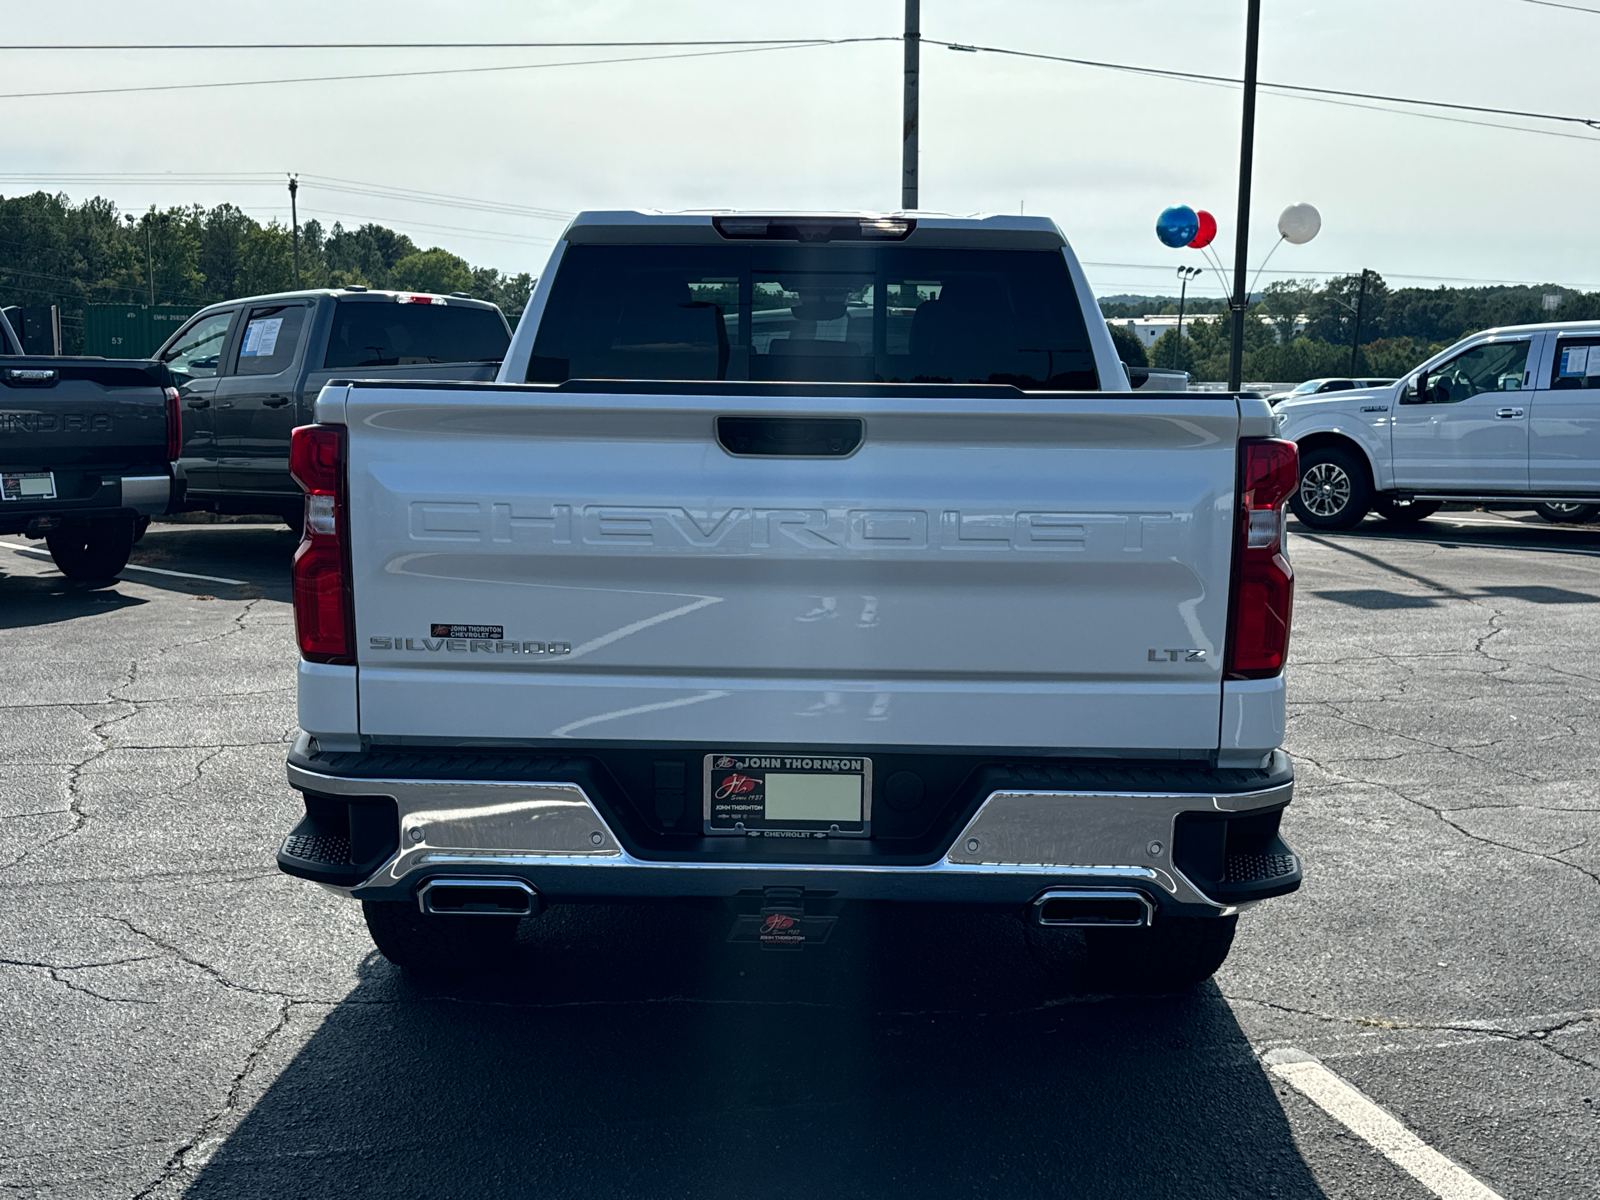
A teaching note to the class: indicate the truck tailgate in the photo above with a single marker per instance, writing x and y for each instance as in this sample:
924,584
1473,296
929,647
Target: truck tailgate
1030,572
82,413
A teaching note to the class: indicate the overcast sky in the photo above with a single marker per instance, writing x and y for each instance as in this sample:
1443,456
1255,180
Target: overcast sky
1100,151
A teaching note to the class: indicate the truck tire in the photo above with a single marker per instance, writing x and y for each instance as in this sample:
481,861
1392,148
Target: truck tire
1405,514
1334,491
430,944
1568,514
94,549
1172,955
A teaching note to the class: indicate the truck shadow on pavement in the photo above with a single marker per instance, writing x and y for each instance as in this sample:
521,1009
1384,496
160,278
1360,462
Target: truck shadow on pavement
27,600
630,1051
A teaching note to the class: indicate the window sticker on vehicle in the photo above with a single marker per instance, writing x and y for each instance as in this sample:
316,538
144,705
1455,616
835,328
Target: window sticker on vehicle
261,338
37,485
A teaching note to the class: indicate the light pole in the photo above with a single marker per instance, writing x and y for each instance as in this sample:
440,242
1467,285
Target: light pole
1185,274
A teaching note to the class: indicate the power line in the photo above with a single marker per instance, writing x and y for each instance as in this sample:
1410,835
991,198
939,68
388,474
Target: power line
274,179
429,45
590,62
1198,77
385,191
1386,274
402,225
1572,7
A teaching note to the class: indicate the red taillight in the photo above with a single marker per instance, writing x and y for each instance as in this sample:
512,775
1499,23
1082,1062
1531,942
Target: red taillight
174,426
324,614
1263,581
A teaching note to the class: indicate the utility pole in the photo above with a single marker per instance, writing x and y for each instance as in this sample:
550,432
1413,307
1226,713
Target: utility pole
294,221
908,145
1355,342
149,255
1247,138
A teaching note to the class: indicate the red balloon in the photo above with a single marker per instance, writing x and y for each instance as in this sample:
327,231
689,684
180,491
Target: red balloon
1208,230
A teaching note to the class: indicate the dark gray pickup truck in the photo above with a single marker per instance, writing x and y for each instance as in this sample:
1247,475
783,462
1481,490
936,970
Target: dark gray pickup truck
87,450
248,371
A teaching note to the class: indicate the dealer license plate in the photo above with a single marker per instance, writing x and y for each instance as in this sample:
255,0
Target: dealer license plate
37,485
788,795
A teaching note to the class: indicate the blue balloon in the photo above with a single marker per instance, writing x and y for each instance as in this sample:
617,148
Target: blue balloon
1177,226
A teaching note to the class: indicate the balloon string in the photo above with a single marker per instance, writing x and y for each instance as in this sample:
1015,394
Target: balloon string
1216,265
1261,268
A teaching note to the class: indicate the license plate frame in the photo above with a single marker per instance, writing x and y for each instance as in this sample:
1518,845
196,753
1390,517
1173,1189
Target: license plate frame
811,799
13,485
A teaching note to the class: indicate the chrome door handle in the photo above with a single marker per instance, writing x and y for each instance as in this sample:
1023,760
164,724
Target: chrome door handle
1509,414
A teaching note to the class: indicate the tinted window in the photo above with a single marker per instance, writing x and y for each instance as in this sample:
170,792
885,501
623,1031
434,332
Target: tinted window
1491,367
271,336
814,314
197,351
1337,385
378,333
1577,364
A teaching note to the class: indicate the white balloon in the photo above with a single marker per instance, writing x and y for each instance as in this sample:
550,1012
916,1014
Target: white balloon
1299,223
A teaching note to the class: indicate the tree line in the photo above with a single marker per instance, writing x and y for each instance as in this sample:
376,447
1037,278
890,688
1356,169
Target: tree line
1400,327
53,251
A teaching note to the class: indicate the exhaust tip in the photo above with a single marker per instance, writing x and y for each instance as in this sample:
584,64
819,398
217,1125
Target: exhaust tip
1128,907
491,897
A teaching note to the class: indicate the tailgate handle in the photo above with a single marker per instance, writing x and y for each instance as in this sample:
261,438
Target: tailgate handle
789,437
31,376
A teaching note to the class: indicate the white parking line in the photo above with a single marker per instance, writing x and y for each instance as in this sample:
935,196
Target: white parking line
136,567
1376,1127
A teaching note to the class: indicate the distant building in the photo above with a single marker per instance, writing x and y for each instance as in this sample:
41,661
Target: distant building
1148,329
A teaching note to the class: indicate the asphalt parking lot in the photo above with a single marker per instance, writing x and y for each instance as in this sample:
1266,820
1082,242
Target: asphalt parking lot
177,1018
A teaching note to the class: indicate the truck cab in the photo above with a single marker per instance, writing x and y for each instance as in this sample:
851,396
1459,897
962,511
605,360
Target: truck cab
248,371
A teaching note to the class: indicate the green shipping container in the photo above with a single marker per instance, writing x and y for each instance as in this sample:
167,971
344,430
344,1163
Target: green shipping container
130,330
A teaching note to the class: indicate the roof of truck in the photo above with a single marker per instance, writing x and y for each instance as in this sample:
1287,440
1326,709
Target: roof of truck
357,293
923,228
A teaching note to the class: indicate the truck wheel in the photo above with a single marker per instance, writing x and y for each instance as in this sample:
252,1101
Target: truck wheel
94,549
1172,955
1405,514
1334,492
1568,514
431,944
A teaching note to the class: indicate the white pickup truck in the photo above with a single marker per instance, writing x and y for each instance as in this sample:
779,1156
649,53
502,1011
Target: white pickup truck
1508,416
794,561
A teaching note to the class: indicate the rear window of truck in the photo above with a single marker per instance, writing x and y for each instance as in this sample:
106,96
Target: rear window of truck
375,333
814,314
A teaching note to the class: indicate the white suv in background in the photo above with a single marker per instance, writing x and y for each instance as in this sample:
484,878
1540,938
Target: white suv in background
1505,416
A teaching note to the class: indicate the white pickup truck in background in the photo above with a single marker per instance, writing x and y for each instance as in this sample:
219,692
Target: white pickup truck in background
794,561
1507,417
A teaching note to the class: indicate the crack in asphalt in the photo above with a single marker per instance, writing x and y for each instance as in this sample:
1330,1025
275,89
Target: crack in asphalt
55,973
1442,813
178,1161
1537,1035
99,731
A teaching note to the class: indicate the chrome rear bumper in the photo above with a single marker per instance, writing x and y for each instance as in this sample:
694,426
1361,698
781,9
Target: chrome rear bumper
1017,844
